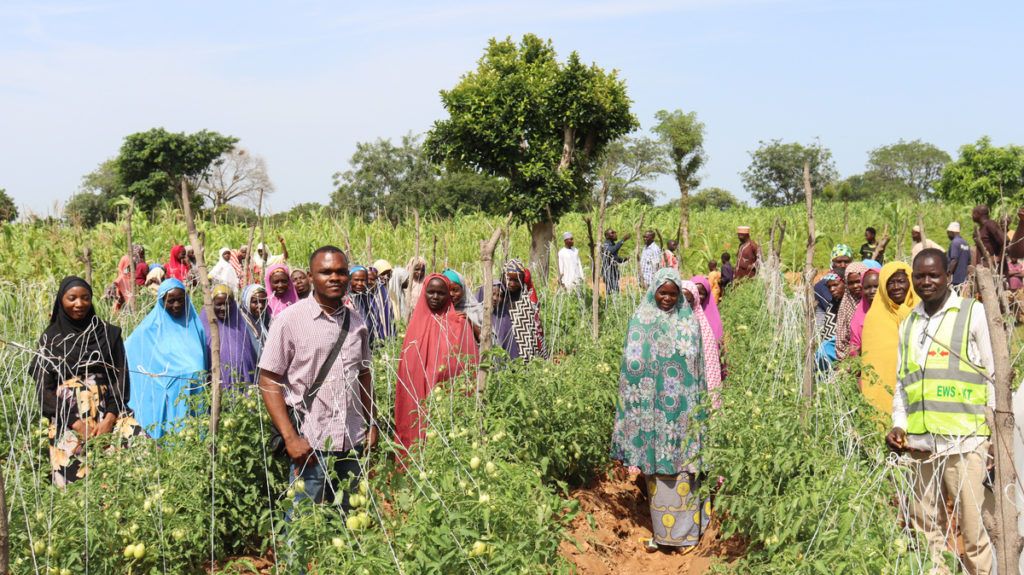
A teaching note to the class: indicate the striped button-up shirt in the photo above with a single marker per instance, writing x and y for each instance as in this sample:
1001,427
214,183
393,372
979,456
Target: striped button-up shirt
300,340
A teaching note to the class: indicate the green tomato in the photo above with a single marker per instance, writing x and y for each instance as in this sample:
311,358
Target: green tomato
39,547
353,523
129,551
140,550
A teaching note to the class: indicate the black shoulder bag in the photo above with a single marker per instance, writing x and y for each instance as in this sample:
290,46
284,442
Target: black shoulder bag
275,443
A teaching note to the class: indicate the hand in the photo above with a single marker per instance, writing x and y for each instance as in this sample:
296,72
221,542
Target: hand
461,314
84,427
991,453
627,236
280,239
300,452
372,436
103,427
896,440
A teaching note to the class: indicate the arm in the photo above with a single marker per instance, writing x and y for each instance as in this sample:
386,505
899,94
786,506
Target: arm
297,447
141,271
284,249
897,437
954,256
1016,249
983,357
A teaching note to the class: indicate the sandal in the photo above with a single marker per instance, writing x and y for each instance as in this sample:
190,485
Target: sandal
648,544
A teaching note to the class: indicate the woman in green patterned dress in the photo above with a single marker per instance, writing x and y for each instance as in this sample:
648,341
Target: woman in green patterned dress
662,403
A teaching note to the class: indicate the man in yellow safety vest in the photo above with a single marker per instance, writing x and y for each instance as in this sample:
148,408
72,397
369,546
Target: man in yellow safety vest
945,366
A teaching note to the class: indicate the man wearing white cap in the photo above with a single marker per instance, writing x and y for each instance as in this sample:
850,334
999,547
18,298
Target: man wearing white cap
570,270
959,257
919,245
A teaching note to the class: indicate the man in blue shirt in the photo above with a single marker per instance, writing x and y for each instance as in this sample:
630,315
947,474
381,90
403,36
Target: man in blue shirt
959,257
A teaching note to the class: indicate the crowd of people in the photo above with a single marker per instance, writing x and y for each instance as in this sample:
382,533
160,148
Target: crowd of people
305,336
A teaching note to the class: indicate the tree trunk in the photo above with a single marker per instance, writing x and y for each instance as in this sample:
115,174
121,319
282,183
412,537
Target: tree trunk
809,304
130,296
542,234
87,260
595,274
1008,544
204,284
598,265
369,248
684,215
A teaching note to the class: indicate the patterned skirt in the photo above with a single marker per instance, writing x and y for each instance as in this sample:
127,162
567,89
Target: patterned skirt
678,516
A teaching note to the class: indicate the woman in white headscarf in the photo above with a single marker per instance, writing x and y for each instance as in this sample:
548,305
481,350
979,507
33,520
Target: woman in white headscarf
224,272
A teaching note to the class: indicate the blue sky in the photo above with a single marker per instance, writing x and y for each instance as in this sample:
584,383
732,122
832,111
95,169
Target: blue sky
301,82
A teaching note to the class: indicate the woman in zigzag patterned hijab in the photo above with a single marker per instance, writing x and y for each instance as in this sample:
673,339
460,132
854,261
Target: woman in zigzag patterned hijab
526,336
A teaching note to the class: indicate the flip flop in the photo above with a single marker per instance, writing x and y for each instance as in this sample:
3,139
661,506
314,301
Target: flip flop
648,544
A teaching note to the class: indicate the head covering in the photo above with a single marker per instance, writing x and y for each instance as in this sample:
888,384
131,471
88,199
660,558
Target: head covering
371,305
743,230
255,256
881,337
841,250
468,305
382,266
438,347
167,359
566,235
278,304
236,265
830,276
453,277
178,269
953,227
857,323
513,266
710,307
526,329
662,386
847,309
125,280
237,355
224,272
709,343
871,264
412,293
915,229
137,252
257,326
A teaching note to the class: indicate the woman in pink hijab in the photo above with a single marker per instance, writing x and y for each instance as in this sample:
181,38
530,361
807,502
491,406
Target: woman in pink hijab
712,367
709,305
280,289
869,287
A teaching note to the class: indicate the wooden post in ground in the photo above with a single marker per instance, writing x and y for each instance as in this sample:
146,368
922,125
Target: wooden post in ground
636,250
433,256
809,304
417,251
1008,544
87,260
130,296
369,249
487,329
252,233
594,273
920,226
5,551
204,284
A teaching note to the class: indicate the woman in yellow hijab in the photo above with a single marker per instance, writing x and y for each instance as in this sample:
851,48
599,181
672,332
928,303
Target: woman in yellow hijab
894,301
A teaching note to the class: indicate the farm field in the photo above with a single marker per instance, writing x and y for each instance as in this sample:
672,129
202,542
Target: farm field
516,481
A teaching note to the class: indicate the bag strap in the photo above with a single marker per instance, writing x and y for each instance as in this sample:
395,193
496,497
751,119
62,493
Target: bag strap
310,395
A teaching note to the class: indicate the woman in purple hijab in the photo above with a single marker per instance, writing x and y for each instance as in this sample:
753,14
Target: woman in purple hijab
237,356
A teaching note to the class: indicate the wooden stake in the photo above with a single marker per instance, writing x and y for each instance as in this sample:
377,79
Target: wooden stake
433,256
5,552
594,272
636,250
1008,542
130,296
598,270
487,329
204,284
369,249
809,303
252,233
444,240
87,260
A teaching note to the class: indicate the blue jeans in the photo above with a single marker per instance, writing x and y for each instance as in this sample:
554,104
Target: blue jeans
345,465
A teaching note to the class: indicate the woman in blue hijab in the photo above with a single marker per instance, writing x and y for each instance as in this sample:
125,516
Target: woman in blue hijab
167,360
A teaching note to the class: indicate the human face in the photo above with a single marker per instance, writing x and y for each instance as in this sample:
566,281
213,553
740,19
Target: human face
976,215
648,238
869,286
181,255
258,303
301,281
385,277
175,302
712,265
513,283
569,242
950,234
837,288
279,282
612,235
496,297
916,236
455,290
672,245
371,278
77,302
243,252
667,296
743,238
839,265
220,306
703,292
358,280
227,256
329,273
418,271
869,237
930,281
436,294
897,287
853,285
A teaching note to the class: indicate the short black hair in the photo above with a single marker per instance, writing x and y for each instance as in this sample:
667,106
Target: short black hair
871,230
932,253
726,257
326,250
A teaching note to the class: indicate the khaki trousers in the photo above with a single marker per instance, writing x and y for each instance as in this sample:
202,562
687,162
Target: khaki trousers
957,477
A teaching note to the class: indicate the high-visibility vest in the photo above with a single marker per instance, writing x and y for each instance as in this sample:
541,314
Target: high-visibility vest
947,395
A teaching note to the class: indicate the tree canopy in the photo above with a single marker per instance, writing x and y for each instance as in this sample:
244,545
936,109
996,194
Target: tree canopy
776,173
625,164
983,174
683,137
912,168
713,198
539,124
152,164
235,175
94,201
8,211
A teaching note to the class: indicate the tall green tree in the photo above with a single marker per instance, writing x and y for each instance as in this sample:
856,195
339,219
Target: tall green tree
152,165
539,124
683,137
915,165
983,174
624,166
776,173
714,199
8,211
93,202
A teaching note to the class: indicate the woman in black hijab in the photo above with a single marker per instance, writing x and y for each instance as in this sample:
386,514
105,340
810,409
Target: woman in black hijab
81,380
